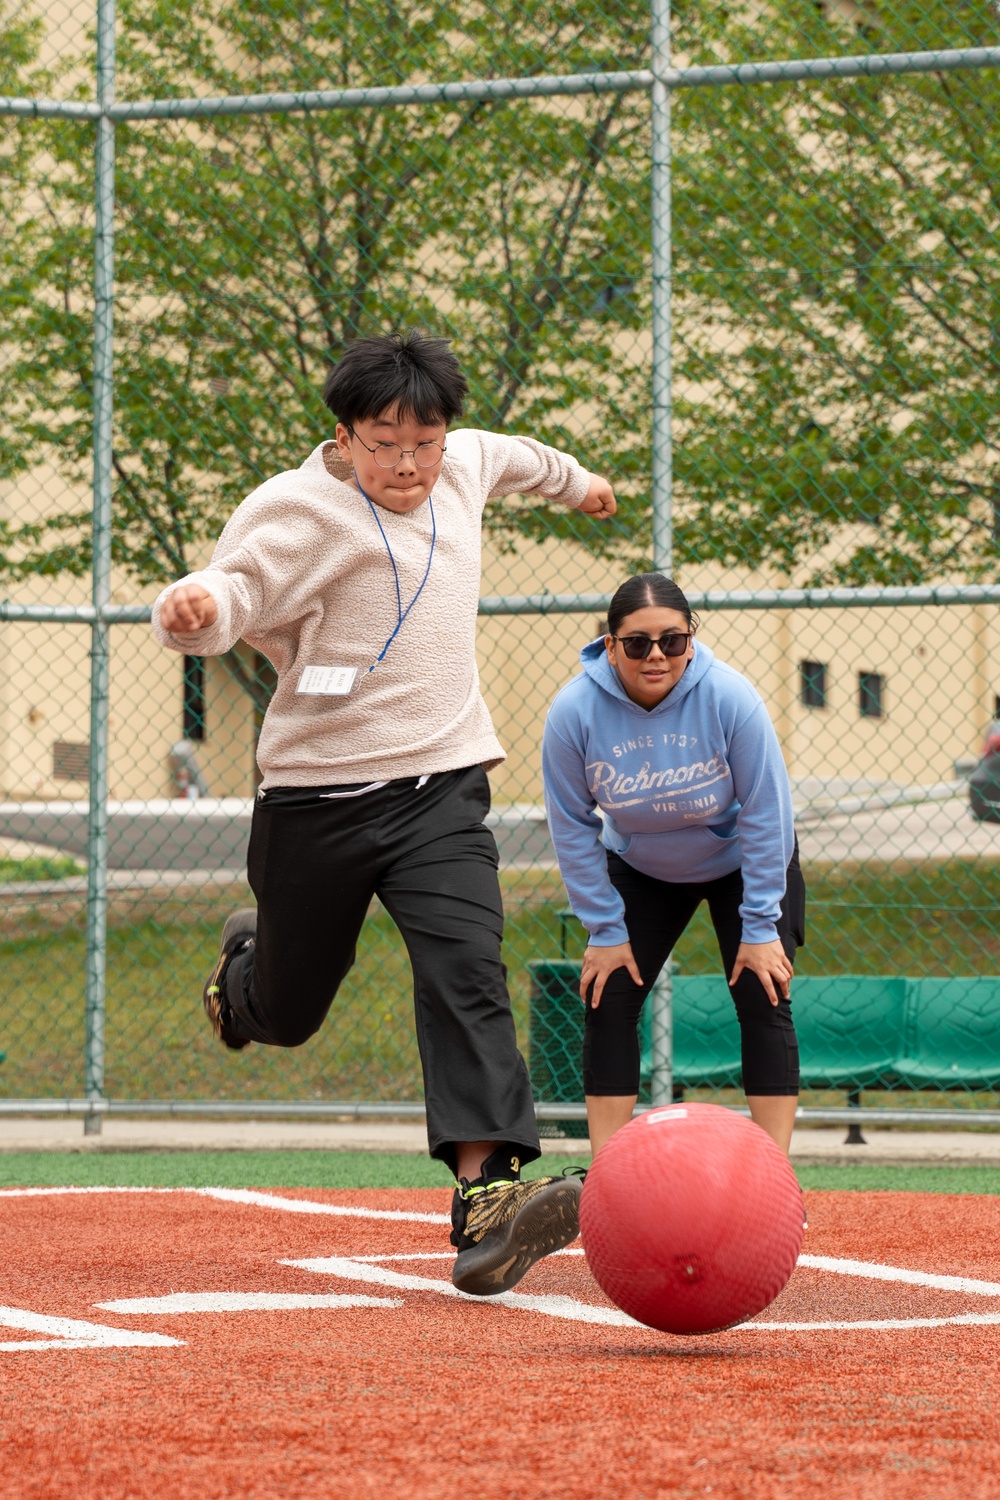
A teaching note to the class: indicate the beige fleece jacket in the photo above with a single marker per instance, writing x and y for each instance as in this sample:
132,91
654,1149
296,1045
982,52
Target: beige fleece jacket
302,575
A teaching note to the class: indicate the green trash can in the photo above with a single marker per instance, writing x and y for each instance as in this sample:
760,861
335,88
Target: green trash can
555,1048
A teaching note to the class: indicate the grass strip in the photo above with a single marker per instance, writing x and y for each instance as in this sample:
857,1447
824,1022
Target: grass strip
251,1169
902,1179
377,1169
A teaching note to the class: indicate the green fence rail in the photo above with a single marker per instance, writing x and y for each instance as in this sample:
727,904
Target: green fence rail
746,265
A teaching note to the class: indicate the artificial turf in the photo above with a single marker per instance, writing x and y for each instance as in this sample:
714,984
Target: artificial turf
376,1169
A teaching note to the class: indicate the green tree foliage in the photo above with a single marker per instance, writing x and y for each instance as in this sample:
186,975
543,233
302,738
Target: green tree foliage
836,286
838,290
251,248
18,50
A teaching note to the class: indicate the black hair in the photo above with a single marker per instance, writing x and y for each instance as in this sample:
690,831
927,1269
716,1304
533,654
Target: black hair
406,372
643,590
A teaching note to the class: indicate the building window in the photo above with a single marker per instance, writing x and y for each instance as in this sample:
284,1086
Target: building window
70,762
871,692
193,713
812,684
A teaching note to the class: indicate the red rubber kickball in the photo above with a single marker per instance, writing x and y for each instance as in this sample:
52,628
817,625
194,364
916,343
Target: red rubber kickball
691,1218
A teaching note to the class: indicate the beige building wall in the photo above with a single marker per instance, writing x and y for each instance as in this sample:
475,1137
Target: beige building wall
940,669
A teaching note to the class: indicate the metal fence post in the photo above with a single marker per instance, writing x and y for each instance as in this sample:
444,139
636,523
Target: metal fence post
662,273
103,395
661,998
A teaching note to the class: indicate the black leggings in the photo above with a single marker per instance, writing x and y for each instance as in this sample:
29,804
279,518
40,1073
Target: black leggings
656,914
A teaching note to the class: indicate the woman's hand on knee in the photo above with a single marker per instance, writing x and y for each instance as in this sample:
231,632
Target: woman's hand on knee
598,966
770,963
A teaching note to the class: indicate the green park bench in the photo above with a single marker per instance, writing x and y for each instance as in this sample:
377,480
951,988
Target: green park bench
952,1035
855,1032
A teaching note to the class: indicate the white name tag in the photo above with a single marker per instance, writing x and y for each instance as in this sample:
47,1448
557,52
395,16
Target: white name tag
327,682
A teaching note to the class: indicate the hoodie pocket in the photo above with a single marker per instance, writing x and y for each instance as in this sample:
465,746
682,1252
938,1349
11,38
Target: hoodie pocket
681,854
619,843
724,832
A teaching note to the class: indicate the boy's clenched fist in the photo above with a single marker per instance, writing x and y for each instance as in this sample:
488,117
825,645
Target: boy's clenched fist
188,608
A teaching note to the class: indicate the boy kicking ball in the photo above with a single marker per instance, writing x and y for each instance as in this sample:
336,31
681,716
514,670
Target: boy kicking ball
357,576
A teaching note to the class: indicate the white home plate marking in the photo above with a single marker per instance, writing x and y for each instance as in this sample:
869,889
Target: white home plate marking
74,1333
229,1302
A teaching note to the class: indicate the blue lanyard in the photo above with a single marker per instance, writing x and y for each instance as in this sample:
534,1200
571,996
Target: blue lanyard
401,613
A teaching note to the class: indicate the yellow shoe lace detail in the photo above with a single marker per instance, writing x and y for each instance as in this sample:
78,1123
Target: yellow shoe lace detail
498,1203
213,997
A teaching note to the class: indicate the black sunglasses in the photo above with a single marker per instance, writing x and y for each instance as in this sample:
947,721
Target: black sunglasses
638,647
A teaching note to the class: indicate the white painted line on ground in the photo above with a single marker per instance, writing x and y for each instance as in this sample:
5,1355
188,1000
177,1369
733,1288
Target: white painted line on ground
566,1307
250,1197
553,1306
229,1302
74,1333
307,1206
61,1192
441,1255
584,1312
968,1320
877,1271
415,1255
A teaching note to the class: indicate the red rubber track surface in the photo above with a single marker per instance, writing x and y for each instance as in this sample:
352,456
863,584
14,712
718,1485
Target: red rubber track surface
442,1397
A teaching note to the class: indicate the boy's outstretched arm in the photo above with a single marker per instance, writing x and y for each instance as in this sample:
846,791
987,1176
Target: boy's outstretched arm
258,577
524,466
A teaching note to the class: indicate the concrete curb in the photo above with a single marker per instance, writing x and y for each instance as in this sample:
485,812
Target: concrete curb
809,1146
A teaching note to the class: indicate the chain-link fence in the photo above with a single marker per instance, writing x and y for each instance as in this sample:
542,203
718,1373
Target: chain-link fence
761,294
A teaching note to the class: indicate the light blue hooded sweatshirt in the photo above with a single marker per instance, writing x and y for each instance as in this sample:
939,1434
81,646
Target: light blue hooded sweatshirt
687,791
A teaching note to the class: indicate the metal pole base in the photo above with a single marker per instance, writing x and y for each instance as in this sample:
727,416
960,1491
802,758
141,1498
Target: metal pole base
854,1136
92,1124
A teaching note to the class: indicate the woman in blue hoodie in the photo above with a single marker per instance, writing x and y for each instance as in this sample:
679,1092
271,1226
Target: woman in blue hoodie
665,787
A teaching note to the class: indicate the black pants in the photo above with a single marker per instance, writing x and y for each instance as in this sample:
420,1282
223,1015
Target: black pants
316,858
656,914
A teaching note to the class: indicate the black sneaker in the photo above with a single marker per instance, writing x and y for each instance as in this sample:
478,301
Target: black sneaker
237,936
502,1226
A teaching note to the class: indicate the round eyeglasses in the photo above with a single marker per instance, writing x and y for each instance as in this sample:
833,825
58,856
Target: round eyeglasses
638,647
388,455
